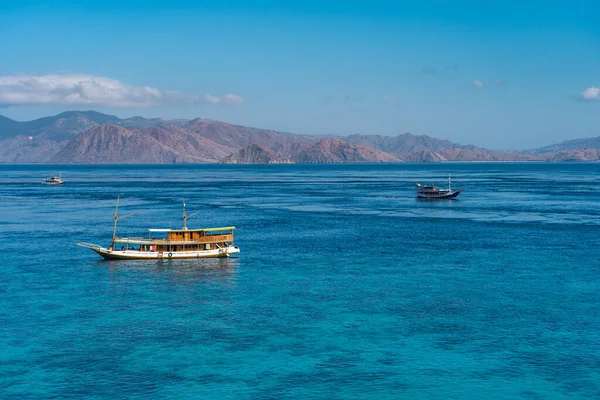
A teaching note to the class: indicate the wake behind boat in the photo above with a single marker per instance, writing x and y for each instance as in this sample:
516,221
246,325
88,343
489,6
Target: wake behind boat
53,180
433,192
178,243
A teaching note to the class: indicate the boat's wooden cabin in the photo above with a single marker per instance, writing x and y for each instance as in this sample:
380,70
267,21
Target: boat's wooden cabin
211,235
181,240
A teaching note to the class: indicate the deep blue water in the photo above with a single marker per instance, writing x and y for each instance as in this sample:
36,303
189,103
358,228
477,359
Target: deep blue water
346,286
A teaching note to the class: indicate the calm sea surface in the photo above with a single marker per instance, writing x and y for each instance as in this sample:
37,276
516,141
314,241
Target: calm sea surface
346,286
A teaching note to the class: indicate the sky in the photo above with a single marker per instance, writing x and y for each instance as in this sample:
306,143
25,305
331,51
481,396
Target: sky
510,74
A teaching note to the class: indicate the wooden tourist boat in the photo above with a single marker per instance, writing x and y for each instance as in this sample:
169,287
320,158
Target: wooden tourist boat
434,192
178,243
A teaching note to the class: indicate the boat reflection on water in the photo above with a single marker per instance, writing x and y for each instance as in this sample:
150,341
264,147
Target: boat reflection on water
210,269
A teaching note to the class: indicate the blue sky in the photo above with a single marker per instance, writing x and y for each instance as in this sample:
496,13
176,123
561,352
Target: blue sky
510,74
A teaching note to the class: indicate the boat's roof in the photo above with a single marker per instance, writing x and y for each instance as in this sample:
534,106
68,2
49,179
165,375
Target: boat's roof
226,228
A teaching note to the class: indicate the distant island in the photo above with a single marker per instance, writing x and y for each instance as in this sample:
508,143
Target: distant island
90,137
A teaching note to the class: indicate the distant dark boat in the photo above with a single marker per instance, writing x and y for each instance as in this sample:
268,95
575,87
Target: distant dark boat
434,192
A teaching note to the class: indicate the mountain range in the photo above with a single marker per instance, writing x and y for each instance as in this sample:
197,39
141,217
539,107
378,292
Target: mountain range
93,137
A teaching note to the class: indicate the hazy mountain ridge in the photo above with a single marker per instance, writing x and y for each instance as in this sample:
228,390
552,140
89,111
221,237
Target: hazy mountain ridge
401,144
20,149
574,144
423,148
73,122
339,151
40,140
255,154
575,155
93,137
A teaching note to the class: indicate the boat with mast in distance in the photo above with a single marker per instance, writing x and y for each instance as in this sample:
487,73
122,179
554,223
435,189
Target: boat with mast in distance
174,243
54,181
433,192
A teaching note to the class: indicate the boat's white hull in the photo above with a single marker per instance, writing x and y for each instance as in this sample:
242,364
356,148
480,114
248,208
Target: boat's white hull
153,255
440,195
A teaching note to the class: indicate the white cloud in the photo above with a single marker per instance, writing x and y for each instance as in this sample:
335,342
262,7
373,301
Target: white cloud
233,99
478,83
591,93
389,99
209,98
79,89
230,99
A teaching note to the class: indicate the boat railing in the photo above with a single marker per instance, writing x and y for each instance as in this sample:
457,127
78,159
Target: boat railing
89,245
202,240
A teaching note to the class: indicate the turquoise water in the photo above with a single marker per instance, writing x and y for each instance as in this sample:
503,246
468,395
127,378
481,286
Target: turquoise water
346,287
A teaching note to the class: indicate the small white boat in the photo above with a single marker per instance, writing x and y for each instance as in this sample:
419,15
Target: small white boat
53,180
431,192
178,243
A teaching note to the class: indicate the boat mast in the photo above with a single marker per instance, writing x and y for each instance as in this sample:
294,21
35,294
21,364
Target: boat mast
185,216
449,183
117,218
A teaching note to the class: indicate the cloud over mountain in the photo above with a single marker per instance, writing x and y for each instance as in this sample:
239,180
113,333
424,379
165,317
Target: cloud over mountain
230,99
81,89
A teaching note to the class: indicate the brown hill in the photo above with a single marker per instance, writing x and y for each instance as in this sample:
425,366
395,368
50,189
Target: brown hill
575,155
110,144
198,141
255,154
423,156
338,151
237,137
402,144
188,145
476,154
